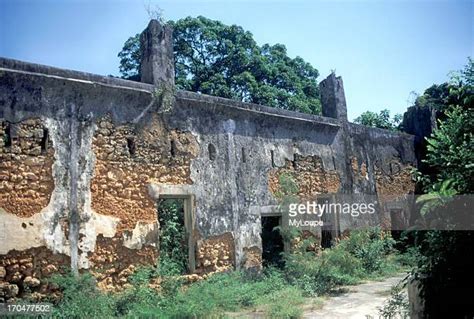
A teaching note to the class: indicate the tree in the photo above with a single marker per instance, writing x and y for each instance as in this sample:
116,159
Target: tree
436,96
380,120
130,59
444,270
221,60
451,149
458,91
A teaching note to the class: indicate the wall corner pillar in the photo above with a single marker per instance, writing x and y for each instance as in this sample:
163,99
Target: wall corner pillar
157,60
333,99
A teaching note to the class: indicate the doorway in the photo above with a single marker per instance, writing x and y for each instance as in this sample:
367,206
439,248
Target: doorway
330,228
398,223
176,244
272,242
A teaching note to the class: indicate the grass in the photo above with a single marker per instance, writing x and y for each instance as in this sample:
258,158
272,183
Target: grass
276,293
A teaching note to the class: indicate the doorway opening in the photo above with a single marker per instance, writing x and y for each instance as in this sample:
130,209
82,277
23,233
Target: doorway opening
326,237
272,242
174,239
398,223
330,228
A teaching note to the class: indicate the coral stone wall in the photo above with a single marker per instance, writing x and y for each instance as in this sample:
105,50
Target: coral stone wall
127,161
394,181
26,185
24,273
215,254
112,262
91,192
26,157
309,174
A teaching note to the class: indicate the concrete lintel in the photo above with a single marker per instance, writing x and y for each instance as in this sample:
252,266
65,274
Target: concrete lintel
157,191
269,210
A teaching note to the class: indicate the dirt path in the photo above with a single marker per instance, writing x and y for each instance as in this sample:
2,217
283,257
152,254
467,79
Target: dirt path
358,302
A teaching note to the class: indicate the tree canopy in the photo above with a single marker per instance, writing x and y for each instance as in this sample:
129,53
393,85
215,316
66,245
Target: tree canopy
380,120
222,60
457,91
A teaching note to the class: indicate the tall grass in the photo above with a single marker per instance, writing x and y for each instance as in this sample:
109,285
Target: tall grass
364,254
279,293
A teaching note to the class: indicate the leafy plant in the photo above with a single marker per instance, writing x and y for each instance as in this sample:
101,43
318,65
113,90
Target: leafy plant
442,194
79,293
370,247
451,150
397,305
362,254
443,269
173,244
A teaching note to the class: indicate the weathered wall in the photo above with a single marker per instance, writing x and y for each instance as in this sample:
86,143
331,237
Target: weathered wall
382,165
26,158
309,175
85,158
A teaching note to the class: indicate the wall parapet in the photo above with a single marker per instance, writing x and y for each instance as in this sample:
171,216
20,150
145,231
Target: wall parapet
7,64
12,65
33,69
256,108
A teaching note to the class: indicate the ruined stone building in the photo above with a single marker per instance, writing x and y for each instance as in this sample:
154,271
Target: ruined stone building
84,159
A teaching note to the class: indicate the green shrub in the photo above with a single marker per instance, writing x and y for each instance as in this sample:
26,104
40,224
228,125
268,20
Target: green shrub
409,258
169,272
213,297
397,306
140,296
173,244
363,253
316,275
81,298
370,246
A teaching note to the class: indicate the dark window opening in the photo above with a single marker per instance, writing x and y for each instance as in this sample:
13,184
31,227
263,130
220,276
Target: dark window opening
44,141
8,136
173,148
328,230
173,237
398,223
131,146
244,156
212,152
272,242
272,154
326,237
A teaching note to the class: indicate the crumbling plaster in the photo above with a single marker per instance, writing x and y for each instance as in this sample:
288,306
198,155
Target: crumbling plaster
116,148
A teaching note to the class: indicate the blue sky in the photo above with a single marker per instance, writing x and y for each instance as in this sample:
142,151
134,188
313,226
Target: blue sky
383,50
